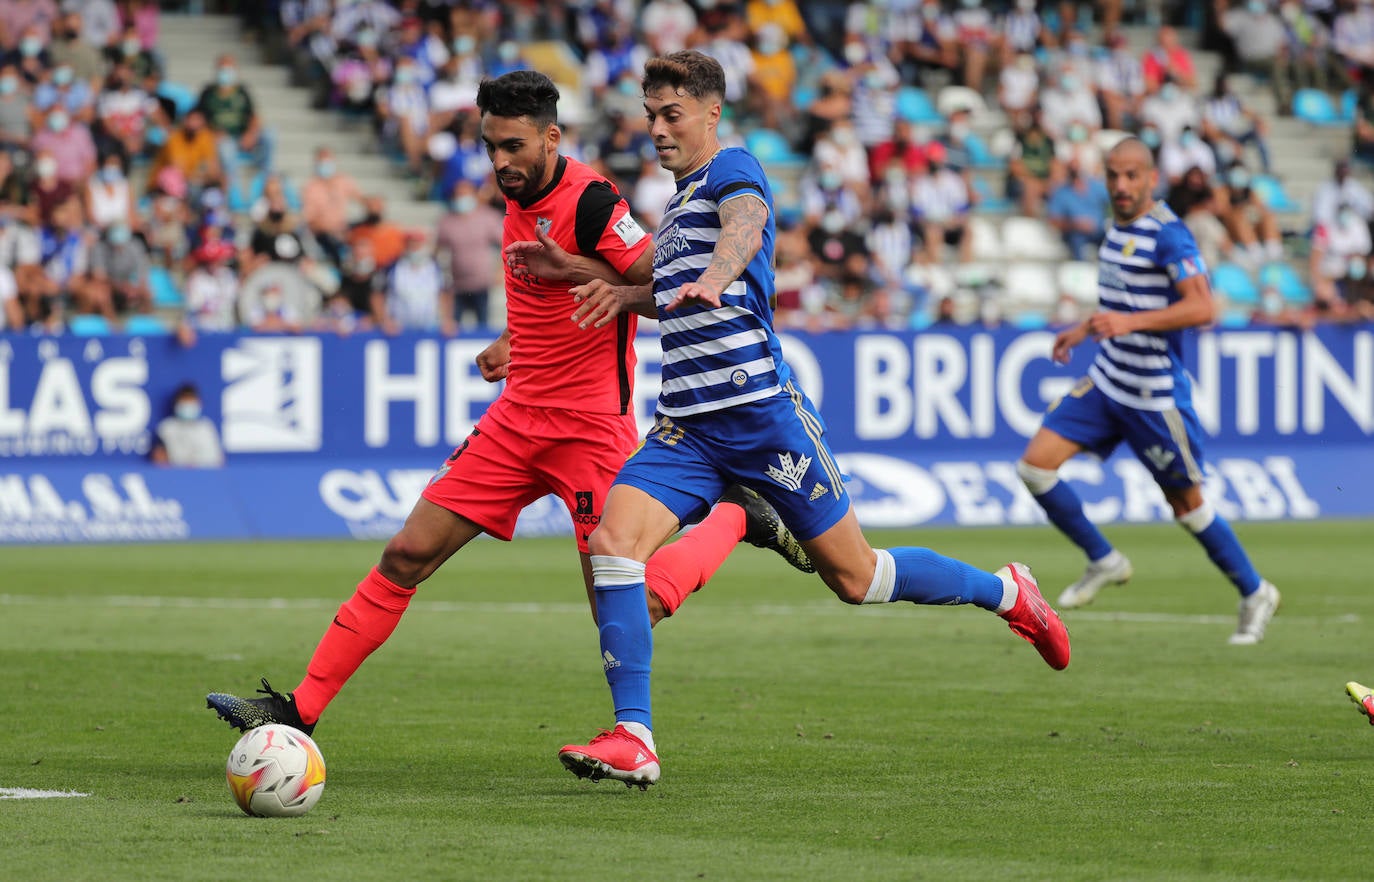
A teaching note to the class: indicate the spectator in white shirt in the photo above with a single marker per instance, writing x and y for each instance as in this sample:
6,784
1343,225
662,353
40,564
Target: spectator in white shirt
1341,189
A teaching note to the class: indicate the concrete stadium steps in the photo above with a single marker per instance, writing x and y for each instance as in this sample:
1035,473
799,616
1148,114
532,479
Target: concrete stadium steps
190,45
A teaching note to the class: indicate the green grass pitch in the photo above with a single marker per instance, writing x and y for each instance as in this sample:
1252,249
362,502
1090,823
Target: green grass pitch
800,738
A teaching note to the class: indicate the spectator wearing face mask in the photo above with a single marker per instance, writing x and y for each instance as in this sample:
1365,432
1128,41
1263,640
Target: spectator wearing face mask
941,202
329,198
403,108
1189,151
71,48
63,89
15,103
230,113
191,150
211,291
186,438
1260,47
1339,259
1070,100
70,143
414,297
468,239
1251,223
1168,58
30,53
1169,111
48,190
122,112
1078,209
129,50
119,270
109,197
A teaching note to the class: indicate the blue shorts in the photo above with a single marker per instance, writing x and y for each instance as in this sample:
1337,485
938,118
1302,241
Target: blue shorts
1167,442
775,446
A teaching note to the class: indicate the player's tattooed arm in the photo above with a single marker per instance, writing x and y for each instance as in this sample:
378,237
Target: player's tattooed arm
742,221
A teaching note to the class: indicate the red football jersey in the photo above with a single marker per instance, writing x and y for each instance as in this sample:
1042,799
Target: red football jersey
554,363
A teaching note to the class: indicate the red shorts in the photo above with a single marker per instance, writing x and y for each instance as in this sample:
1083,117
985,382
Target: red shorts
518,454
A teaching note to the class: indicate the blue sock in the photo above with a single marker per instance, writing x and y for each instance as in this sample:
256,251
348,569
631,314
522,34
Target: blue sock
627,637
1215,534
1065,511
927,577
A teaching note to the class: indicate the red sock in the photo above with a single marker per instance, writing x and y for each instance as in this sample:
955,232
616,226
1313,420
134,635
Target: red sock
679,568
363,623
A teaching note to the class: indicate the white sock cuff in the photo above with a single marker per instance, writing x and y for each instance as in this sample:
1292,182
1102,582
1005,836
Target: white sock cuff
1011,591
1037,480
884,578
609,571
1198,519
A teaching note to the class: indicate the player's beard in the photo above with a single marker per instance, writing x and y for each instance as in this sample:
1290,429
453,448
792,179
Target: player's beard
529,185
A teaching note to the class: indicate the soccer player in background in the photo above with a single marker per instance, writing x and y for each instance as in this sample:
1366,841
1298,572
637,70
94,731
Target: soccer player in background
729,412
1152,287
564,423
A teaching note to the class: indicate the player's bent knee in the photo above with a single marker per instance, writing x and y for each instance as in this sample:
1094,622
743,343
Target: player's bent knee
1037,480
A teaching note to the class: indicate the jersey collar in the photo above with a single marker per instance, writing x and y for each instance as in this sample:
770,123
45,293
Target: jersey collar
559,168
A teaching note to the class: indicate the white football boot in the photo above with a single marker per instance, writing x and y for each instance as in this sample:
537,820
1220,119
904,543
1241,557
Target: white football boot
1114,569
1255,613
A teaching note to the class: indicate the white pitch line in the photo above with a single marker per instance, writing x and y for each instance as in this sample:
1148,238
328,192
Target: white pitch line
815,608
26,793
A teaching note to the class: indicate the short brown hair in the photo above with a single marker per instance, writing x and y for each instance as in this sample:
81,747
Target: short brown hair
690,71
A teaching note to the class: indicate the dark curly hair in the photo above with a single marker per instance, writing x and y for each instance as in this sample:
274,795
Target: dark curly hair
526,93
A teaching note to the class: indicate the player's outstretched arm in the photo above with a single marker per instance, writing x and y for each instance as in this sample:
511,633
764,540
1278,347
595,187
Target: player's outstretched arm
599,301
1066,340
742,220
494,361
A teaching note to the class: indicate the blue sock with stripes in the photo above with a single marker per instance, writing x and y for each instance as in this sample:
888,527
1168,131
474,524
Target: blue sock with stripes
920,575
627,641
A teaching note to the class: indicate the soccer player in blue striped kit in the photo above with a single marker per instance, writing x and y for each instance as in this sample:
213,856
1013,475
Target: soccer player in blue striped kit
1152,288
729,412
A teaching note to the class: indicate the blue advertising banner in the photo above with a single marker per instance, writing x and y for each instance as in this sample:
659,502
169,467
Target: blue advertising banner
334,436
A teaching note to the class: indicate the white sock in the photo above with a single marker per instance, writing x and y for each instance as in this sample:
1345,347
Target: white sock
640,731
1010,591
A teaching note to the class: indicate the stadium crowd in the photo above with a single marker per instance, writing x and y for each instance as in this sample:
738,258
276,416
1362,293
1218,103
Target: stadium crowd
128,201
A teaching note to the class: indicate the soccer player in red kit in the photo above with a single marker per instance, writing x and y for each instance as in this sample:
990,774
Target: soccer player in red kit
564,423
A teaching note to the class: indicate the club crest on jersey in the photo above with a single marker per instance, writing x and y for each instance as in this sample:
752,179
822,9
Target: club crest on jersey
543,223
739,377
1129,248
788,472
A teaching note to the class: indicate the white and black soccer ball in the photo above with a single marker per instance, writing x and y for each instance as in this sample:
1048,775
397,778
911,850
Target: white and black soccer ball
275,771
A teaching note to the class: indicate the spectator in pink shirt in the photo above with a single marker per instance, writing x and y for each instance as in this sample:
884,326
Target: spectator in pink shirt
70,143
16,16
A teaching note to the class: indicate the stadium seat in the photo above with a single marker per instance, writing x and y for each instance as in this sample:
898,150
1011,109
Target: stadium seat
988,202
981,156
1315,107
771,148
146,325
1235,284
164,288
180,95
1078,279
1349,102
1283,278
88,325
1030,285
952,98
1271,192
987,240
1002,142
1033,239
1106,139
914,105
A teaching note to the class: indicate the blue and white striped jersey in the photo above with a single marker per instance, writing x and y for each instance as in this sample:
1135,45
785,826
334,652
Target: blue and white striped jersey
715,358
1139,265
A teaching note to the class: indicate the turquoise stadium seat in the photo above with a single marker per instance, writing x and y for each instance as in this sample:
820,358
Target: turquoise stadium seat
88,325
1349,101
1271,192
981,156
1315,107
988,201
1283,278
146,326
914,105
182,96
1232,281
164,288
771,148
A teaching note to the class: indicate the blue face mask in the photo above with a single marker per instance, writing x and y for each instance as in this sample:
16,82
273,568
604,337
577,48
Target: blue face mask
324,169
464,204
464,45
119,234
30,46
58,121
8,85
111,174
62,76
188,410
226,76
